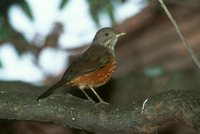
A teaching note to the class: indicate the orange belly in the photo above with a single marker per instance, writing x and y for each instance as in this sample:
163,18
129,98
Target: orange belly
96,78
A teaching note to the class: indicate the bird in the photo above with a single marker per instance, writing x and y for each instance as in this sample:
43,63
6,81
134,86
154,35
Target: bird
94,67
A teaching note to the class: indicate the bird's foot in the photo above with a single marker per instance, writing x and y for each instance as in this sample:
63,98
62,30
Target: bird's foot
102,103
90,100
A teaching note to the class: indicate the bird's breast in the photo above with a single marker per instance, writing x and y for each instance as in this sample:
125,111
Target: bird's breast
96,78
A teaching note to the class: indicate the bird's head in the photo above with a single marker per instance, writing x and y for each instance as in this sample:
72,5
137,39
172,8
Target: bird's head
107,37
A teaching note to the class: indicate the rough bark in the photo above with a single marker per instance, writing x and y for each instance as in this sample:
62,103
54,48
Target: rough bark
137,117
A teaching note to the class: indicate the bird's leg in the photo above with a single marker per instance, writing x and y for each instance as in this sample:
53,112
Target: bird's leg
101,101
88,97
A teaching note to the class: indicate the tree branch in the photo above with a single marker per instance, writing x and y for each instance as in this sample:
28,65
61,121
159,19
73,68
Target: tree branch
137,117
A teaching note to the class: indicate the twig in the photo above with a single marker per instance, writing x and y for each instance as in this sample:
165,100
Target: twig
186,44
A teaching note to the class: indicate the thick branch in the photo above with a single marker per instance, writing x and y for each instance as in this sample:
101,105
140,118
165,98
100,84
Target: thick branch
138,117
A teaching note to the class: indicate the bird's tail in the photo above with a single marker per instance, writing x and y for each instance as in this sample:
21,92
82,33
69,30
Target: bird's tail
51,90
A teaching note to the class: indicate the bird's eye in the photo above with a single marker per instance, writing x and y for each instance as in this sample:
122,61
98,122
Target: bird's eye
107,34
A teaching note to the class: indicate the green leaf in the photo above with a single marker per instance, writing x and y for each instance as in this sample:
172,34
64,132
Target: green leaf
110,10
94,8
1,65
27,10
95,16
123,1
97,7
3,32
63,4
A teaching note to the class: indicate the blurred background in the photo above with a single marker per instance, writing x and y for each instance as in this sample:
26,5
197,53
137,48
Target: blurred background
39,39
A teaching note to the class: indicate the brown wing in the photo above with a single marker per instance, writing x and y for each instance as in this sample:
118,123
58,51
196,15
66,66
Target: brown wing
92,59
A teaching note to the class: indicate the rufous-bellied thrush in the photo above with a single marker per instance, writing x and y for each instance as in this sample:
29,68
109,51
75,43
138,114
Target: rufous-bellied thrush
94,67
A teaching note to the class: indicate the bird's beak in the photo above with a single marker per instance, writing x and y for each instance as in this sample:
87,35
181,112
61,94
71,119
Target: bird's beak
120,34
